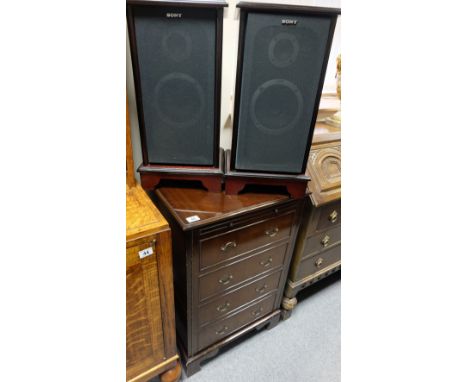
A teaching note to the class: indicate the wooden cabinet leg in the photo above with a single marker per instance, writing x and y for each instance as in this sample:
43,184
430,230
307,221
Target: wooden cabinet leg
288,305
172,375
273,322
192,368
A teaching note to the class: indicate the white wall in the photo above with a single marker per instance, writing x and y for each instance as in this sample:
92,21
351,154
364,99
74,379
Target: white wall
230,40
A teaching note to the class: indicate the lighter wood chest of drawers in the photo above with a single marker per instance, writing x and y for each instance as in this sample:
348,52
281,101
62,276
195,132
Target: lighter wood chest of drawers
317,253
230,264
150,330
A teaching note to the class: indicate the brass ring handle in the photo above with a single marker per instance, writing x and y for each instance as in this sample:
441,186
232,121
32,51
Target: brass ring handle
272,232
257,312
229,244
262,289
333,217
224,307
222,330
226,280
325,241
319,262
267,263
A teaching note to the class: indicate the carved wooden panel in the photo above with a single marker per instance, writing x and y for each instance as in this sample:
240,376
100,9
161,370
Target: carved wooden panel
324,169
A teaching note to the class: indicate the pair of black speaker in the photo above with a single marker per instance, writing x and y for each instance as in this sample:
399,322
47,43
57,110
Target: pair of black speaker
176,53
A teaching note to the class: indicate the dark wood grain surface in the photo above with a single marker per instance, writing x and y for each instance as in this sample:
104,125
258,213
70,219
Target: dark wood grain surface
211,207
277,7
230,266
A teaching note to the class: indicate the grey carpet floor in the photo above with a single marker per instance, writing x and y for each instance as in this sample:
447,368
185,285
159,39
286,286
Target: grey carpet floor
306,347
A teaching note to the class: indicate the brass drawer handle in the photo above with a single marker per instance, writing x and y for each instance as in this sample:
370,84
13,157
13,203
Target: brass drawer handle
325,241
333,217
266,263
257,312
222,330
272,232
319,262
229,244
226,280
262,289
223,307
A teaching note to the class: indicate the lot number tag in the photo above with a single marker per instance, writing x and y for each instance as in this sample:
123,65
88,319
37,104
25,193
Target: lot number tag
145,252
193,218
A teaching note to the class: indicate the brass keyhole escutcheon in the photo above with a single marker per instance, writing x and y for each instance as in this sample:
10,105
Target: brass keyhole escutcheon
319,262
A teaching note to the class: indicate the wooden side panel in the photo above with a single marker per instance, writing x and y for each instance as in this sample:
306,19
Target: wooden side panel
145,340
130,164
166,290
180,259
301,240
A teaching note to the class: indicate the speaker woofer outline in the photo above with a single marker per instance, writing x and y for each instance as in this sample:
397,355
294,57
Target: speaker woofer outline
203,10
170,52
278,62
191,120
267,85
284,13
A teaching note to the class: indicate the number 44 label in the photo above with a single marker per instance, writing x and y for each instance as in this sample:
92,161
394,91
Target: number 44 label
145,252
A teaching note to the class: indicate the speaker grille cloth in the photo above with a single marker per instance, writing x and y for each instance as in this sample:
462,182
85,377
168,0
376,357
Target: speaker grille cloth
280,82
176,59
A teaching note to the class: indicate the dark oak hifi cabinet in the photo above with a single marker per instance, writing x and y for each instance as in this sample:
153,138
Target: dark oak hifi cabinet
318,247
231,259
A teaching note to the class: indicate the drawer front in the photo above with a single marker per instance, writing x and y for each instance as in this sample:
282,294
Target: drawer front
322,241
316,263
330,216
229,245
229,302
231,275
215,332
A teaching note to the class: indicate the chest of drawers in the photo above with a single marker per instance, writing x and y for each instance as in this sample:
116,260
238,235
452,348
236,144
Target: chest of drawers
317,253
231,258
150,331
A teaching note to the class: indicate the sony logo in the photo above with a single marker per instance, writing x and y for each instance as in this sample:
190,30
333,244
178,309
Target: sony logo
289,22
174,15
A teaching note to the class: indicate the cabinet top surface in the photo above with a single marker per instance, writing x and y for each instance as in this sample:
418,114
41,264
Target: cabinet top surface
324,133
201,207
143,218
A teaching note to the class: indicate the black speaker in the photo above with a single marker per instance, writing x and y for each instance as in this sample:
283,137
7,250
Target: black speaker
282,60
176,56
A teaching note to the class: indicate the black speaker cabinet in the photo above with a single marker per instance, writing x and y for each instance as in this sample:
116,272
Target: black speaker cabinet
282,60
176,50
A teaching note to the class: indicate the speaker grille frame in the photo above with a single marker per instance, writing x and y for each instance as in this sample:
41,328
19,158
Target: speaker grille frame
218,5
248,7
